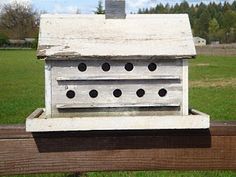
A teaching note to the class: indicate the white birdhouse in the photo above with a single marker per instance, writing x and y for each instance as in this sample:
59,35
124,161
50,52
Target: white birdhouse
116,72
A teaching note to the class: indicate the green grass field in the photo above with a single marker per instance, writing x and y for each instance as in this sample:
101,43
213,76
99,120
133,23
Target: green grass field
212,90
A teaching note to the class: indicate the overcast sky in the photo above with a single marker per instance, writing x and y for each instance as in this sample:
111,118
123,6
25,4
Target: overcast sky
88,6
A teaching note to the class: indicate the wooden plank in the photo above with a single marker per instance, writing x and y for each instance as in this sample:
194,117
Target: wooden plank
117,123
26,153
108,105
195,120
94,68
217,128
117,77
48,88
185,81
105,93
163,36
117,112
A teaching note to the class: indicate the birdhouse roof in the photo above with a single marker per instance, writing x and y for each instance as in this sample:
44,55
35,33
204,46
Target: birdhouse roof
162,36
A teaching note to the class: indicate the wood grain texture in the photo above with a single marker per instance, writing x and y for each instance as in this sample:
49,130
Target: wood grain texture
117,77
117,69
65,76
185,84
48,88
195,120
137,37
26,153
108,105
105,93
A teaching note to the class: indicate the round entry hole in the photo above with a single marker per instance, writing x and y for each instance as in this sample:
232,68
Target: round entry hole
129,67
70,94
93,93
117,93
162,92
82,67
106,67
140,93
152,67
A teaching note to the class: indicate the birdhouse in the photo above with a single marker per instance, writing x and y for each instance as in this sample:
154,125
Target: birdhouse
116,72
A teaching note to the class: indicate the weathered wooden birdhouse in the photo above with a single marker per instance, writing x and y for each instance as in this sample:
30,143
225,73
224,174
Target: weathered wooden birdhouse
116,71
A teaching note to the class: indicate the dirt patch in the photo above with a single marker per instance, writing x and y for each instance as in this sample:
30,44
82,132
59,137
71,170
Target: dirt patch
203,64
214,83
217,50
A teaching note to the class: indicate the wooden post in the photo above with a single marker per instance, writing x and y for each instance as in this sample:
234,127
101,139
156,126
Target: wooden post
115,9
26,153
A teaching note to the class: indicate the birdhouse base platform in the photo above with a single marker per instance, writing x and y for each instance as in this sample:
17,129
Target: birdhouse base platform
37,122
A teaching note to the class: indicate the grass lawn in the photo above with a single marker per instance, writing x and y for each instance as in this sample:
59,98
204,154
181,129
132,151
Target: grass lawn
212,90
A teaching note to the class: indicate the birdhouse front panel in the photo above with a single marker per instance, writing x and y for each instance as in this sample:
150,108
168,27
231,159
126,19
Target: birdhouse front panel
114,87
114,67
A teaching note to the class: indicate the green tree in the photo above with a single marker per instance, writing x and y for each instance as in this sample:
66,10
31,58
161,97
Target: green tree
202,25
201,8
184,7
213,29
18,21
213,26
100,8
160,9
234,6
229,20
212,10
192,15
211,21
229,26
3,39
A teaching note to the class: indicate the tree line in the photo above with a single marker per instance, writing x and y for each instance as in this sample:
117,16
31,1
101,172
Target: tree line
214,22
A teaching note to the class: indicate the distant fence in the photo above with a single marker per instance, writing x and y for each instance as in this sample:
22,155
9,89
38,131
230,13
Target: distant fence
26,43
220,50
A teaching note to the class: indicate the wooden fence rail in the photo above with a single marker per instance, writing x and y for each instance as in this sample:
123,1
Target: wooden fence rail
26,153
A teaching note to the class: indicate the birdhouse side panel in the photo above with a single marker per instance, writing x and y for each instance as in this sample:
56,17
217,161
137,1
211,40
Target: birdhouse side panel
185,87
48,89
